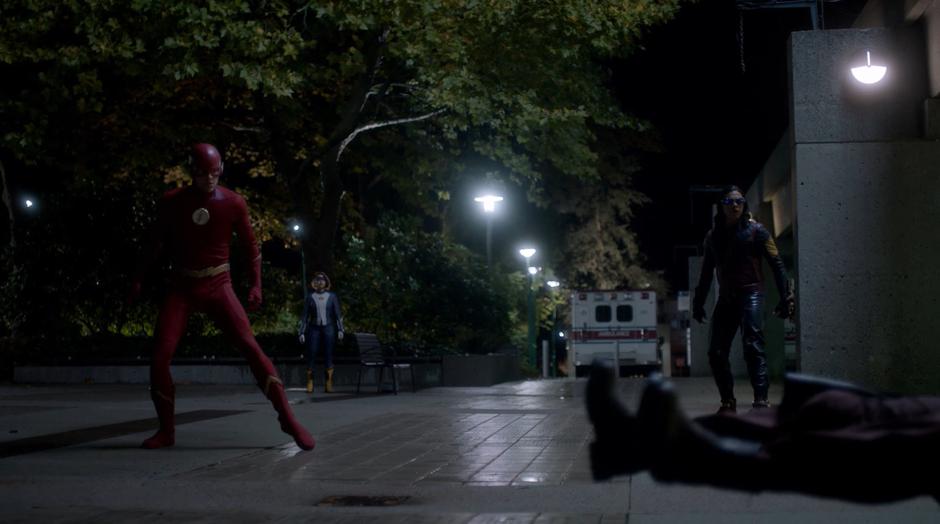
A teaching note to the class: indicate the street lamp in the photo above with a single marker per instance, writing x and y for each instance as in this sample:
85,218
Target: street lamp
29,203
554,285
527,253
296,230
489,207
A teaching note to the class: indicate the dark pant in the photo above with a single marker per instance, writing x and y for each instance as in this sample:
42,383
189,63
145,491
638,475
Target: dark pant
317,337
738,310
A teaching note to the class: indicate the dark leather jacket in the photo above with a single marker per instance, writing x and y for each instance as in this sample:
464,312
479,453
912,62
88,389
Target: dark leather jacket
737,258
311,315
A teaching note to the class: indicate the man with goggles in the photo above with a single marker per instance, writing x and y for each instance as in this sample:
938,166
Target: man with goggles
734,249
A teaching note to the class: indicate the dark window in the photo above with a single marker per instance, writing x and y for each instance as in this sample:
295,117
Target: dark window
602,313
624,313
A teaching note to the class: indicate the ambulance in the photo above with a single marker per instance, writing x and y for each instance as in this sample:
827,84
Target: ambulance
618,327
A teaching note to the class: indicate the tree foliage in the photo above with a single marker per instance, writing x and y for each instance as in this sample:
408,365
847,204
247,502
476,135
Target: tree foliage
516,81
315,105
407,285
601,250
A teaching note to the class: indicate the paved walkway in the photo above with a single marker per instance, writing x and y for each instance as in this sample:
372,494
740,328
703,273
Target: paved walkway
509,453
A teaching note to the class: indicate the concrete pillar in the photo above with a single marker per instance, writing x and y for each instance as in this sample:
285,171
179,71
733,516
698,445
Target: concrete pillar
867,200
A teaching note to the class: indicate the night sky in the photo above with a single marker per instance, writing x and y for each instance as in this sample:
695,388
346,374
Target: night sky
718,120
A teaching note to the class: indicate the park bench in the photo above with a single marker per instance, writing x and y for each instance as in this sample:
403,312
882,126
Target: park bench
372,354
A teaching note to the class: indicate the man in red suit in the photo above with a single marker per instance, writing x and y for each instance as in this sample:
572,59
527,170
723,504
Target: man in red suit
194,228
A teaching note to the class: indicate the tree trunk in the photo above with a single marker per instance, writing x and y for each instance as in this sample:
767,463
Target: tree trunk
297,178
8,202
324,230
320,237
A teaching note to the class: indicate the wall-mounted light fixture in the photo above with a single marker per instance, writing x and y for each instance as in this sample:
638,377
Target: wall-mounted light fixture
868,73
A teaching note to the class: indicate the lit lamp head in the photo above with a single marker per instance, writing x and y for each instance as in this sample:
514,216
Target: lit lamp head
29,203
533,270
489,202
869,73
553,283
295,228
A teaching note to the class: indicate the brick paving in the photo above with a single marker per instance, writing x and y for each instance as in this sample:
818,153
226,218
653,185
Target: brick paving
472,448
509,453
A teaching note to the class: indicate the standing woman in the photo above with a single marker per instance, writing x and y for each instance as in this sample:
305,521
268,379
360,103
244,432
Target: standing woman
320,325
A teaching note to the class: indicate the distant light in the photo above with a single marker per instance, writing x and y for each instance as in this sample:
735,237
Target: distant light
28,203
533,270
489,202
869,74
561,334
553,283
527,252
296,227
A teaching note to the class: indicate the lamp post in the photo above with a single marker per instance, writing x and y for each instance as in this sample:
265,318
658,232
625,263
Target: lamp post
527,254
296,230
489,207
553,284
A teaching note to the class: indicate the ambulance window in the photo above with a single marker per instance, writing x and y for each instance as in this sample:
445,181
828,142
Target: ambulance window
602,313
624,313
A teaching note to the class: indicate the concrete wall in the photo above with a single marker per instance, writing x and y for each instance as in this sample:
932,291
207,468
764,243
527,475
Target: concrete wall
828,105
894,13
866,193
869,284
931,19
771,193
458,370
293,375
480,370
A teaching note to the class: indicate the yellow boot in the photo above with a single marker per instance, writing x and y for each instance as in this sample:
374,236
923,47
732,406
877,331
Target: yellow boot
309,381
329,380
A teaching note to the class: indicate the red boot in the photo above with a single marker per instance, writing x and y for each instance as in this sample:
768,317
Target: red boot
164,404
274,390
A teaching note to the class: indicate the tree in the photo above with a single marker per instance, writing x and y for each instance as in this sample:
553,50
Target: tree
299,83
407,285
601,250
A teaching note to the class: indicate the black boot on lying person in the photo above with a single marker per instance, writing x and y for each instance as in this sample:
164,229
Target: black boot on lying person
659,438
617,449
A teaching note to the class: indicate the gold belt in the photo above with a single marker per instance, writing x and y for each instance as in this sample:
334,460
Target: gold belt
205,272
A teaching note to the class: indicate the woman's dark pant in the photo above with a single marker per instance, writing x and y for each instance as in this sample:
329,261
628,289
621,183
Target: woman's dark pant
738,310
317,337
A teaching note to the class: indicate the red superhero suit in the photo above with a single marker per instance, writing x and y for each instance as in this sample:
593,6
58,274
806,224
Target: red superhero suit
194,227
